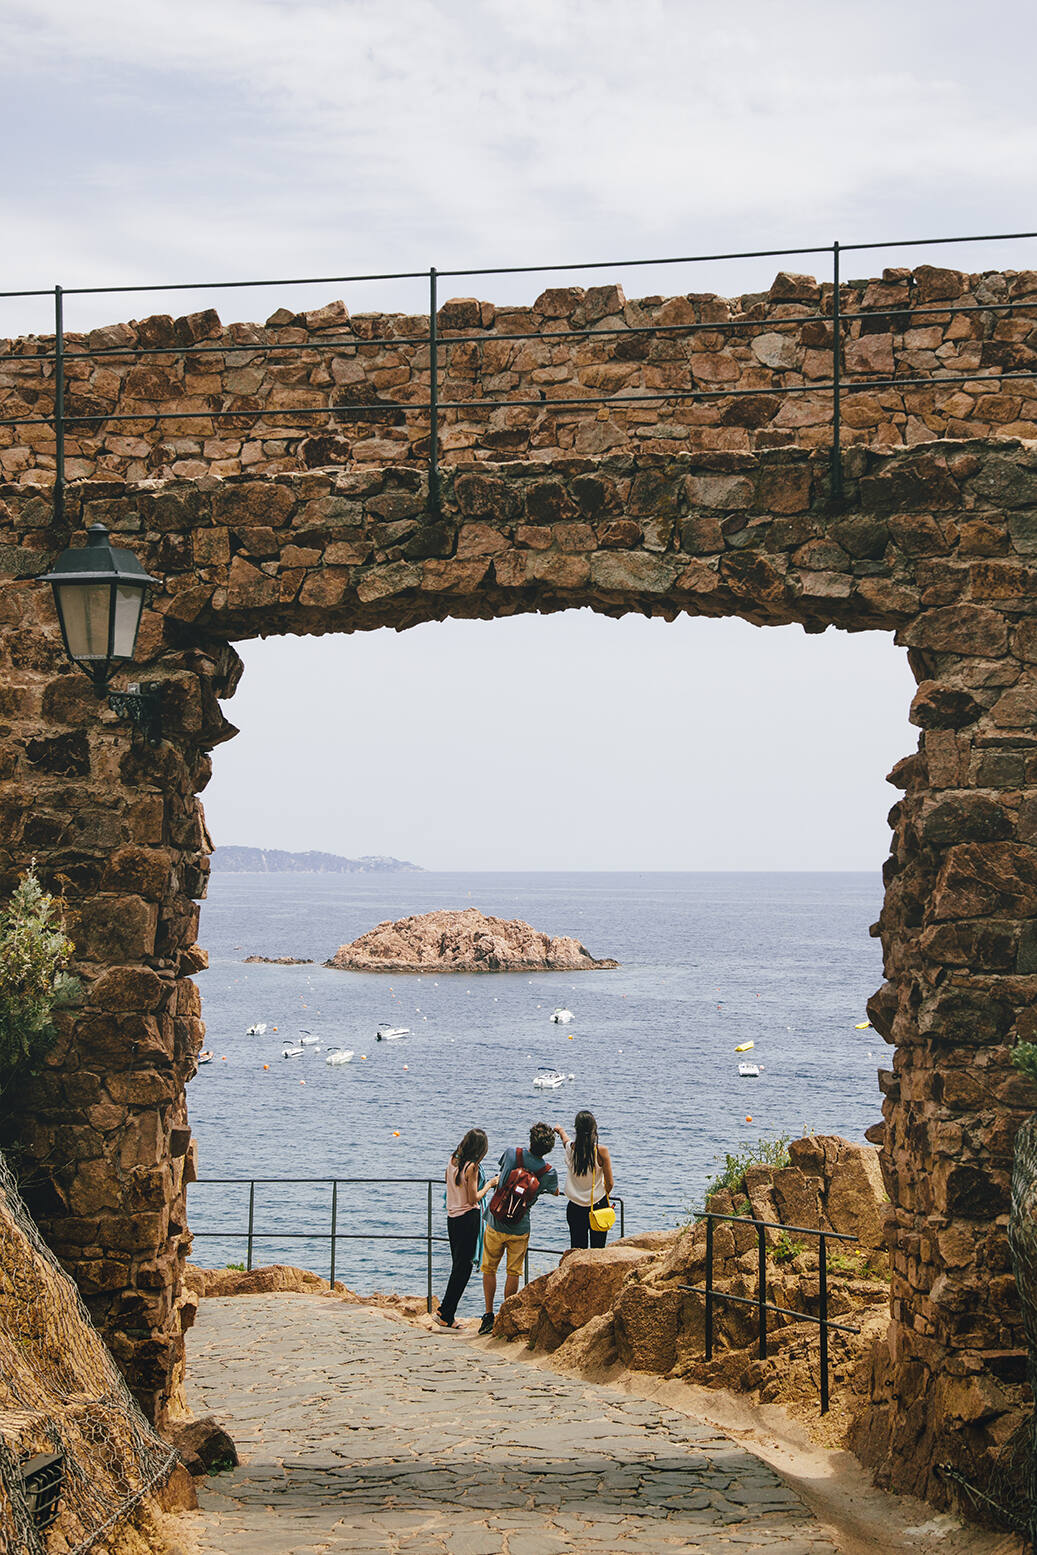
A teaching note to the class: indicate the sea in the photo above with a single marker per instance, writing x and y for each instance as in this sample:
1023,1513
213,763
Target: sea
708,962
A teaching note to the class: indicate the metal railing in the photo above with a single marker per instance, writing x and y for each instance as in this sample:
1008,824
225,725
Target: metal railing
251,1234
760,1301
439,343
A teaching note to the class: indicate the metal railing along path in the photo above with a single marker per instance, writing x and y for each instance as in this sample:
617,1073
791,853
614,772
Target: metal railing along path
251,1234
760,1301
439,344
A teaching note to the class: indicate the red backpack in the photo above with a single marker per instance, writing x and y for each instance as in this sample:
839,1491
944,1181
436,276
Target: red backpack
516,1193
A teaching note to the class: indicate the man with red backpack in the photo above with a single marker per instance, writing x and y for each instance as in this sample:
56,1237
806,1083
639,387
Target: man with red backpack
524,1176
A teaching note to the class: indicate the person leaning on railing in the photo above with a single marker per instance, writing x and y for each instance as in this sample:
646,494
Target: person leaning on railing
465,1191
533,1176
589,1170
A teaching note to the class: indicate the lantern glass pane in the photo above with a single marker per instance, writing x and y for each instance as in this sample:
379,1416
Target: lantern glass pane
129,600
84,609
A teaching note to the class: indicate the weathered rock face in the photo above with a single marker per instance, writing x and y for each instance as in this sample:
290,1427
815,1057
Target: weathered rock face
464,941
934,543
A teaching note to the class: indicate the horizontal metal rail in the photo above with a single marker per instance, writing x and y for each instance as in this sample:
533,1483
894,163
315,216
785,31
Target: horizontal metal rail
488,336
537,269
760,1301
251,1235
439,345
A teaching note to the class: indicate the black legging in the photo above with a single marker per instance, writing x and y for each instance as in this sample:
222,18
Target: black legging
580,1231
463,1231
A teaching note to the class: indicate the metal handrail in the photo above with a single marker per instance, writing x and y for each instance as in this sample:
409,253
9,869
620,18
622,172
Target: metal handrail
437,342
760,1300
335,1235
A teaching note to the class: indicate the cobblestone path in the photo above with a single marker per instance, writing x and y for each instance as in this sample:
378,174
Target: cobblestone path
360,1433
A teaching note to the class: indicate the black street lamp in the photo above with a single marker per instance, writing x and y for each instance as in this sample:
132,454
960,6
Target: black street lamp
99,596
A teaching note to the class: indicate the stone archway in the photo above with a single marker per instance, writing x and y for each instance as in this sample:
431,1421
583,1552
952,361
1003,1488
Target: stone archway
932,543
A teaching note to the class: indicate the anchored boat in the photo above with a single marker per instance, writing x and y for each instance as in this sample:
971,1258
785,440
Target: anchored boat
548,1079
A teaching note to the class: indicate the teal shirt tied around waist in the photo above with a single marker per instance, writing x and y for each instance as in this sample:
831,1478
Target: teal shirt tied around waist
532,1163
483,1212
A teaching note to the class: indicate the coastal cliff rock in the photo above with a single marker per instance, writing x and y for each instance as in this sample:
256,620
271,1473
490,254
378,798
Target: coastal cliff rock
463,941
627,1303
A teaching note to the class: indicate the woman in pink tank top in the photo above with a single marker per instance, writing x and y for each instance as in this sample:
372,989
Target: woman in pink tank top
463,1197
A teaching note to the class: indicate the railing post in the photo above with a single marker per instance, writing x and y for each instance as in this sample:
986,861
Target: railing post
428,1234
433,396
622,1218
709,1288
334,1228
837,456
525,1266
251,1219
823,1293
762,1266
59,406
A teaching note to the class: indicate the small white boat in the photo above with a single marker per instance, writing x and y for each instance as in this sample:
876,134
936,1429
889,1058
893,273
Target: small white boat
308,1040
205,1056
749,1071
258,1030
291,1051
339,1055
391,1033
563,1017
547,1079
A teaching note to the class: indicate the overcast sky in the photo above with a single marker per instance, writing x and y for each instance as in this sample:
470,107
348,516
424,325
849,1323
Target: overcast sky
175,140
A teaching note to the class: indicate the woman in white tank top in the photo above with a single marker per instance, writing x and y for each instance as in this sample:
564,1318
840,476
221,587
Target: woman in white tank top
589,1180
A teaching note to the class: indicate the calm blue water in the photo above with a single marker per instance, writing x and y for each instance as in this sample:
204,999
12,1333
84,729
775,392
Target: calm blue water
708,961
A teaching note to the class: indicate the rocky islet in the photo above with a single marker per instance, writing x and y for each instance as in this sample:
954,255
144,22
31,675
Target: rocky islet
463,941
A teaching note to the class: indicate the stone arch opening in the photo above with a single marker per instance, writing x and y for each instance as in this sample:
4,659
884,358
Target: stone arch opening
933,543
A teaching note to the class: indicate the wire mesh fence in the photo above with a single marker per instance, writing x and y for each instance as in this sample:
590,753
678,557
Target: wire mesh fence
61,1398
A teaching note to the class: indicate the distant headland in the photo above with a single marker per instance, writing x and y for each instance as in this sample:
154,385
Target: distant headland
463,941
274,861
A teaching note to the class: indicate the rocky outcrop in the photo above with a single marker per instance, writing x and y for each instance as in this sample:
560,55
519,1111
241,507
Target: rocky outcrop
277,961
627,1303
464,941
253,1282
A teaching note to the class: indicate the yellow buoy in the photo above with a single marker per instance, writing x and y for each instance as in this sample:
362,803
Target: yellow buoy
862,1025
743,1047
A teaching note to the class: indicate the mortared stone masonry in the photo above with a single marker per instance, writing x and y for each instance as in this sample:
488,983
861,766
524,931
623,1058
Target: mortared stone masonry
936,543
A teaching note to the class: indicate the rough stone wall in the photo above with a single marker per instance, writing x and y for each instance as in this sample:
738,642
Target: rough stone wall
935,543
363,364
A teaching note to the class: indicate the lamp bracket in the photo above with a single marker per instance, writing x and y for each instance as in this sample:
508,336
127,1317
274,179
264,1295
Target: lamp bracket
142,705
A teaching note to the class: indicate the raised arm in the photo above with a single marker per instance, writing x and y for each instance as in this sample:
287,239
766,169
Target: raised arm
562,1135
605,1162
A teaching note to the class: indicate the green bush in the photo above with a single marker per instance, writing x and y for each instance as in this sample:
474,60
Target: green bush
765,1152
1024,1057
786,1249
34,954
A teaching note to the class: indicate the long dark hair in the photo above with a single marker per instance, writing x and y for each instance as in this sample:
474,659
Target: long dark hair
471,1149
585,1144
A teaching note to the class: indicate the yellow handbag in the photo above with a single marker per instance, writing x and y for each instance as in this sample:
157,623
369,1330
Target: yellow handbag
601,1219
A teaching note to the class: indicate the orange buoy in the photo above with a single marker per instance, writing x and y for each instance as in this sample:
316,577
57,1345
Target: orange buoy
748,1119
266,1066
395,1133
